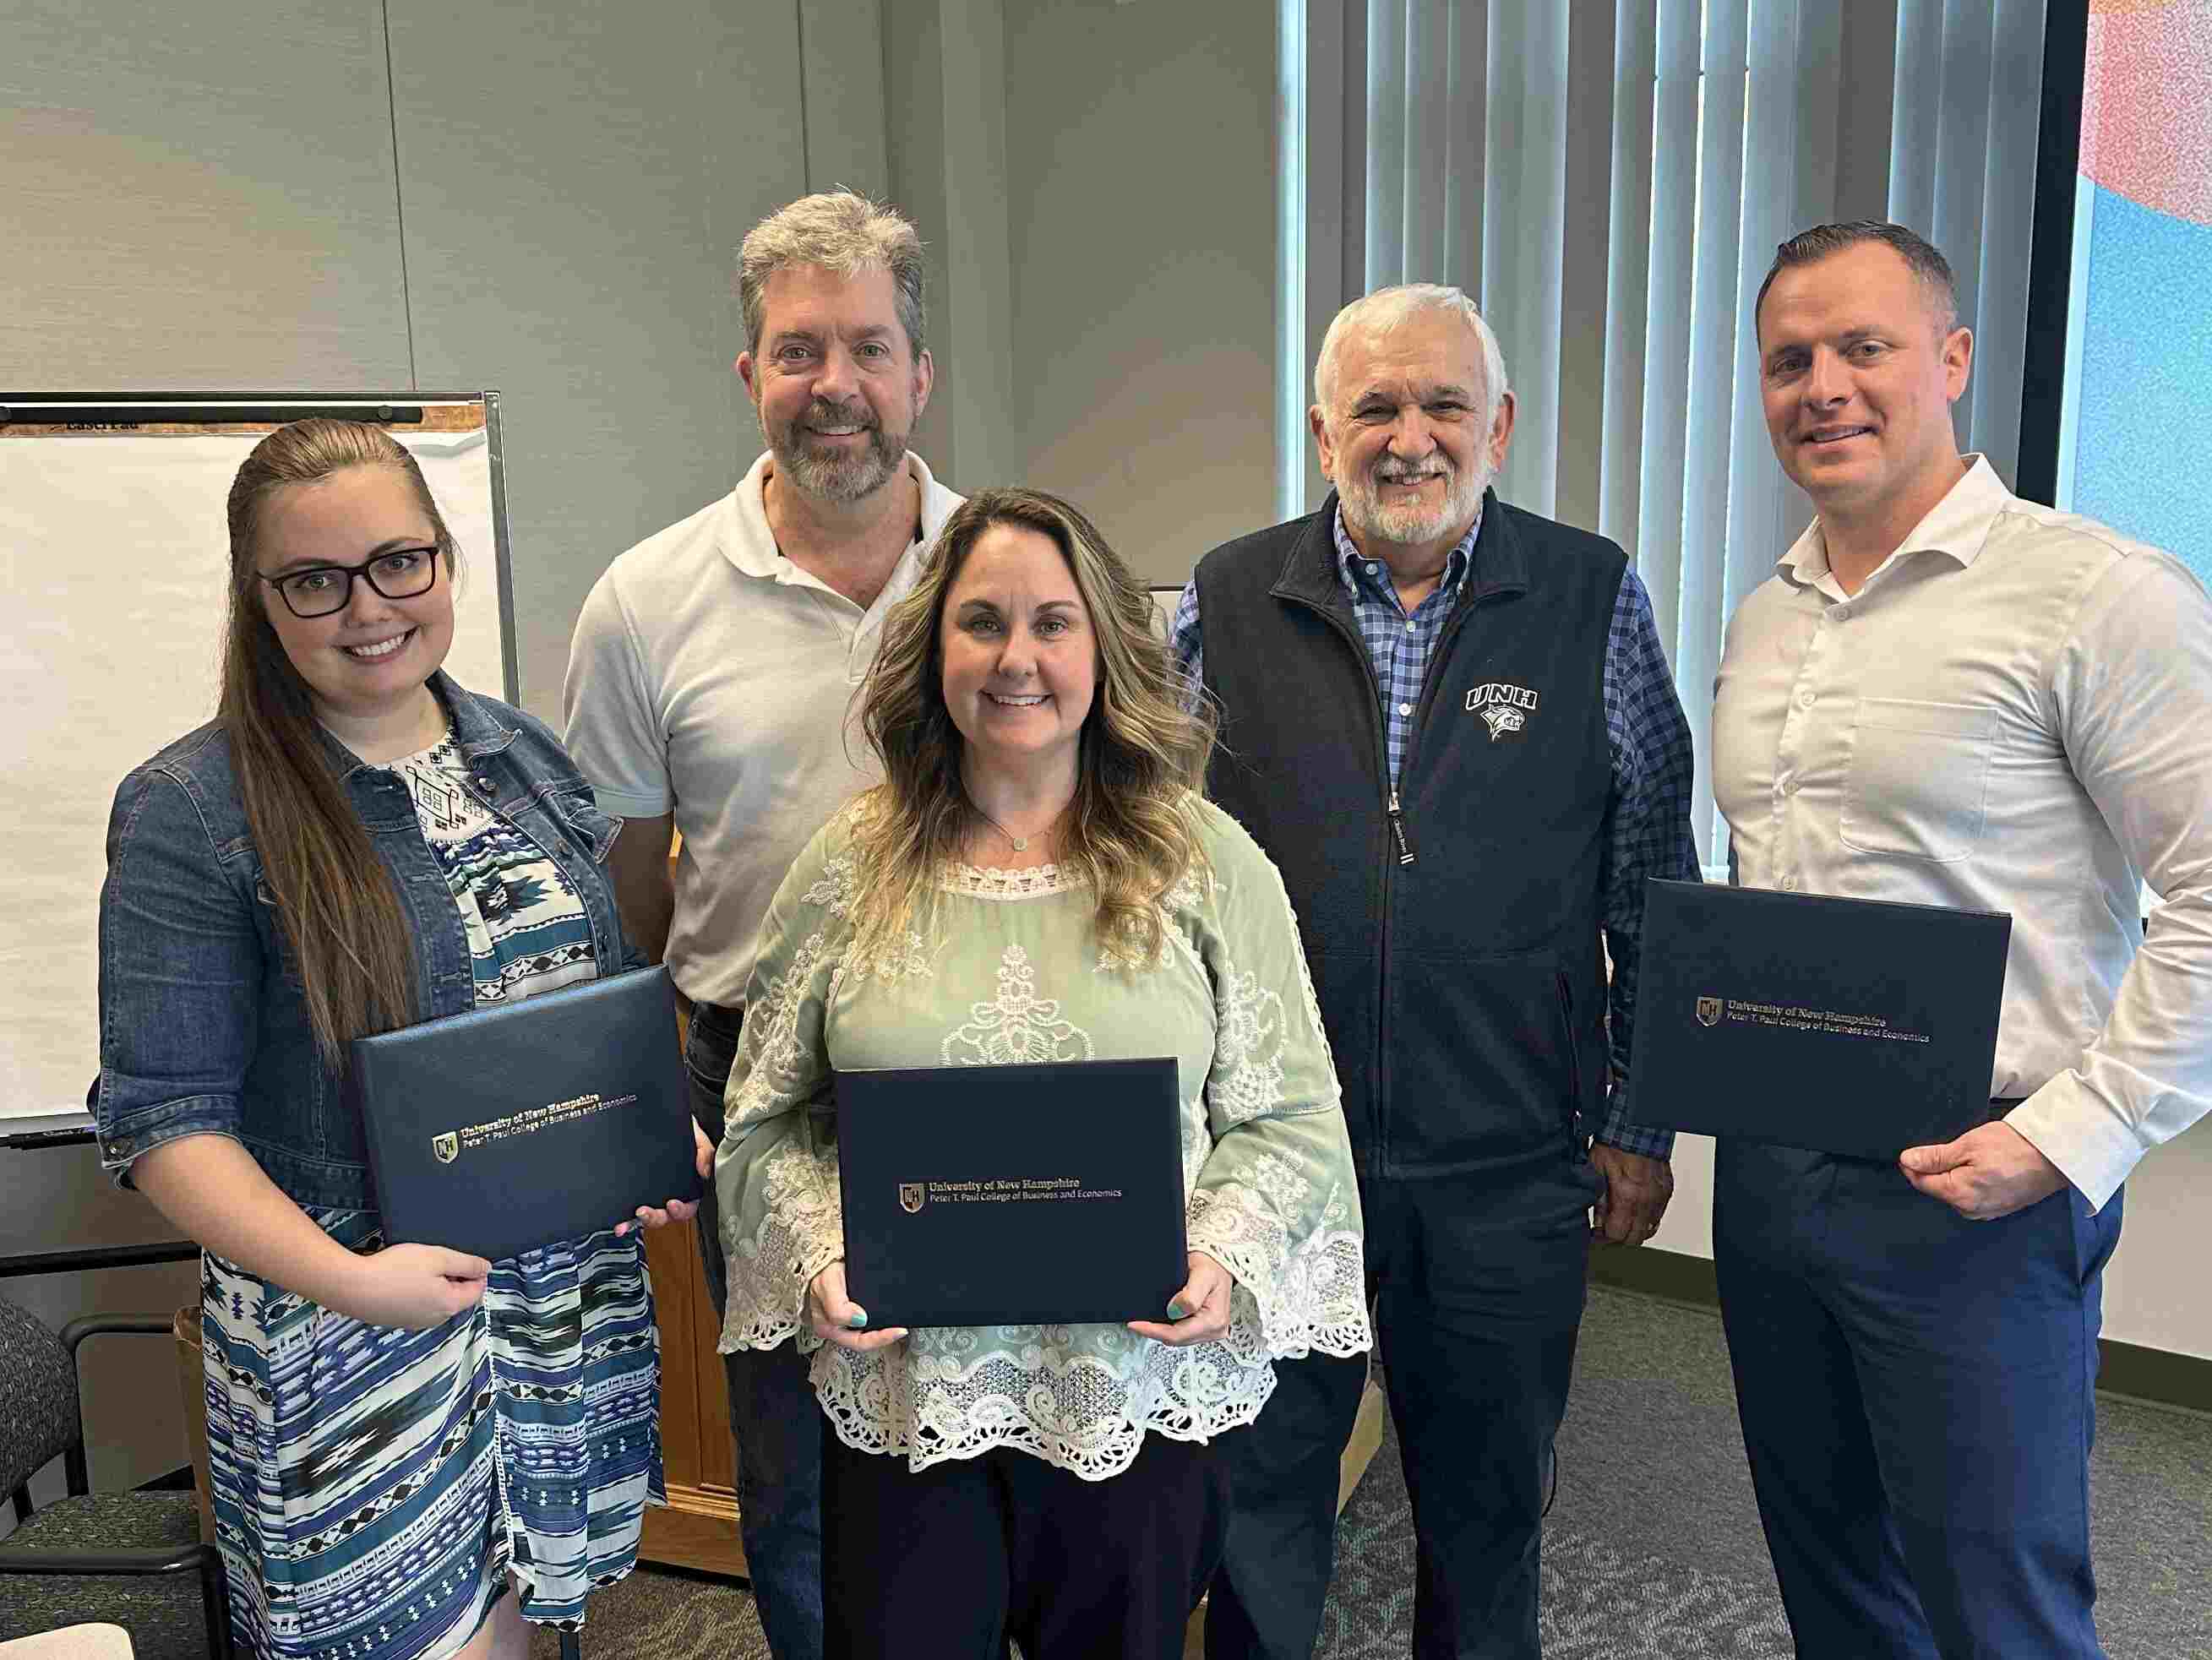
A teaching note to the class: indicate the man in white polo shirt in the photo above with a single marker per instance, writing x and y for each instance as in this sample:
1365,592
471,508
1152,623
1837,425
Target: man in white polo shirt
1949,696
707,692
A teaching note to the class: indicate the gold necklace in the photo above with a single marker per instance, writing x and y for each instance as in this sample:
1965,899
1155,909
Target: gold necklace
1021,843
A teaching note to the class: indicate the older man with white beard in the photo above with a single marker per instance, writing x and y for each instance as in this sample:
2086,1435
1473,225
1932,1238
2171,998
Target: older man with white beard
707,689
1450,724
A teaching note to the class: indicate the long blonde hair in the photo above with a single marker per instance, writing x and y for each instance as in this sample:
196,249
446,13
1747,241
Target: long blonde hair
334,898
1128,836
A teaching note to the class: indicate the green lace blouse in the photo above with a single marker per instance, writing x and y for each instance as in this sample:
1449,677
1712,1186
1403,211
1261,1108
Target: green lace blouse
1015,973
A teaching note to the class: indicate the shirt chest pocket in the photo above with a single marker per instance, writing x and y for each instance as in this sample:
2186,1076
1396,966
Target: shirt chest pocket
596,829
275,944
1918,785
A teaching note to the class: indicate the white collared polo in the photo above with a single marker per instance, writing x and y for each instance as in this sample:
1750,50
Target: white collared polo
711,676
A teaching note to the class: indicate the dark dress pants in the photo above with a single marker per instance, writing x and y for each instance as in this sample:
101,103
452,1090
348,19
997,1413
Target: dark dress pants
774,1415
1916,1392
949,1564
1479,1286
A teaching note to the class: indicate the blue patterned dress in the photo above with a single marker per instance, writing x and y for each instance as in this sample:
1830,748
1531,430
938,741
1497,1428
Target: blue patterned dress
375,1489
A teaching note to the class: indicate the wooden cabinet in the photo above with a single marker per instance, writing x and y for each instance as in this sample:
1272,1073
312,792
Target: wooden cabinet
699,1528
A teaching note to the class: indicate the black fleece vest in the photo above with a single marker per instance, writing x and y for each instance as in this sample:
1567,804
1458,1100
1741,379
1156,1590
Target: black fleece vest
1458,967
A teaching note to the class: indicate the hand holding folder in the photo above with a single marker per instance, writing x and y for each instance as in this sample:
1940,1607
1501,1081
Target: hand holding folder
1199,1313
677,1210
836,1318
513,1127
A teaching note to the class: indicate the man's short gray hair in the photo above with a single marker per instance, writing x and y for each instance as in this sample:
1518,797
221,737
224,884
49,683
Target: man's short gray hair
1386,308
843,233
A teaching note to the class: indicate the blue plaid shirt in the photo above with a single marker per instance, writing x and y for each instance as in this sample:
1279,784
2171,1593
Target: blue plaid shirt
1648,832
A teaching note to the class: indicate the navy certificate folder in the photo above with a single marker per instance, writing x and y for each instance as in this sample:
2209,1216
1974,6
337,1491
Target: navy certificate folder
512,1127
1028,1195
1853,1026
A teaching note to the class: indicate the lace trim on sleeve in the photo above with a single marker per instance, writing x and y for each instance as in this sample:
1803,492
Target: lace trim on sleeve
1308,1294
801,1232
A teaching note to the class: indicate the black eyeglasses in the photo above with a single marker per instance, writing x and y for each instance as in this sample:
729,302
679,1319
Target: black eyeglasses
322,590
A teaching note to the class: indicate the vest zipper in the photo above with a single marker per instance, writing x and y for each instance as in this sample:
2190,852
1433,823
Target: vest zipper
1438,656
1456,620
1404,846
1398,831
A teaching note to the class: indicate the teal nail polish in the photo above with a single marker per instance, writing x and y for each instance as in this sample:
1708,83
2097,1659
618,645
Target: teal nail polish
1176,1312
856,1319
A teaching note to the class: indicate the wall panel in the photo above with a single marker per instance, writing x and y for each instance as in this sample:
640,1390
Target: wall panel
576,180
1141,210
197,197
842,51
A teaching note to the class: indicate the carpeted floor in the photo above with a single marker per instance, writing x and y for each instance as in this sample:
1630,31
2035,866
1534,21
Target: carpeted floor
1653,1551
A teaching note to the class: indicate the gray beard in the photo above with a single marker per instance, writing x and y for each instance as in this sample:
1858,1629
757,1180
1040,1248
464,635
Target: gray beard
843,478
835,474
1365,515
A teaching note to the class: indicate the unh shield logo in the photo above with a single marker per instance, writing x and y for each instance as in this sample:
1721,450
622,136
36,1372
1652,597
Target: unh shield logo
1708,1011
910,1197
446,1146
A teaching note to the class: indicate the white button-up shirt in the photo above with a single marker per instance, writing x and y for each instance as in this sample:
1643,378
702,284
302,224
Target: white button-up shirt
2014,713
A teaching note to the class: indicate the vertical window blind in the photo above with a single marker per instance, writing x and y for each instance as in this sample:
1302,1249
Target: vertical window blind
1609,178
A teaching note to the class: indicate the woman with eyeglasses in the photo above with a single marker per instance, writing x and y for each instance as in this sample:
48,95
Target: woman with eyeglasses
413,1451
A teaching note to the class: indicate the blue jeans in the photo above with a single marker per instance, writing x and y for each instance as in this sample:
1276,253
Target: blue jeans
774,1415
1917,1399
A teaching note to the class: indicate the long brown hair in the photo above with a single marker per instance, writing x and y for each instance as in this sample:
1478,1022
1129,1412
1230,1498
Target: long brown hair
334,898
1140,757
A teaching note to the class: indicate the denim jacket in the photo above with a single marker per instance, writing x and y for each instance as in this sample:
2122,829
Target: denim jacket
203,1025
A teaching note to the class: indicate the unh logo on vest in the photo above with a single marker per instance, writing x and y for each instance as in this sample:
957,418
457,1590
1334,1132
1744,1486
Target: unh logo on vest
1505,709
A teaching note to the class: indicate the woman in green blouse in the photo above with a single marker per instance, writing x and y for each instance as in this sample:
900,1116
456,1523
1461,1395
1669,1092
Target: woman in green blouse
1037,878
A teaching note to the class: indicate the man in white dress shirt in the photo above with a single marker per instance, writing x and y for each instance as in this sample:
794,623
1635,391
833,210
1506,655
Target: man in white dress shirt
708,690
1949,696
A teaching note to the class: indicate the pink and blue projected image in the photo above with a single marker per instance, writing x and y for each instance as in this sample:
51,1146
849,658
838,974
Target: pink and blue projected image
2140,336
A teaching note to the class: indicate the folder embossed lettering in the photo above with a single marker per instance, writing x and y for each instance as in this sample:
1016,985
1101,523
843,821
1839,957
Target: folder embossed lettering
1853,1026
1027,1195
512,1127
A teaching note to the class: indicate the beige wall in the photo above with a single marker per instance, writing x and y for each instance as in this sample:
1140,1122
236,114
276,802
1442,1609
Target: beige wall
944,83
1097,183
198,197
1141,207
574,182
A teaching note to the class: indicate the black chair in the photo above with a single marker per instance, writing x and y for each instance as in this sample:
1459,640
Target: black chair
132,1558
